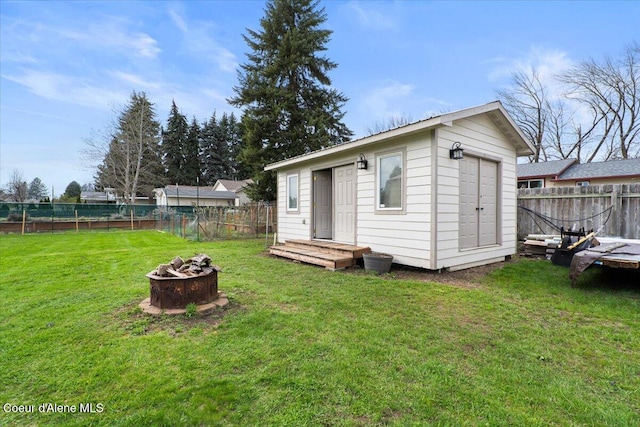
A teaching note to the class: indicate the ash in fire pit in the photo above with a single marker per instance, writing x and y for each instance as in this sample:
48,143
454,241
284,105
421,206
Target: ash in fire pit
175,285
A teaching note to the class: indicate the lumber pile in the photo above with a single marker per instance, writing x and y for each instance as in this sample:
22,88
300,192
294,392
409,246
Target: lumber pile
541,245
198,265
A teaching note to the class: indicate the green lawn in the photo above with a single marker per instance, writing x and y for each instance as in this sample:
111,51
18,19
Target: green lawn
300,345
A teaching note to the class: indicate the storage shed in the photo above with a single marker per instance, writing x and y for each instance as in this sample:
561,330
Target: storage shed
408,192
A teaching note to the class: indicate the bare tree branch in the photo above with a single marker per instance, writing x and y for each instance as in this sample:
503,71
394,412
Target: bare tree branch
609,90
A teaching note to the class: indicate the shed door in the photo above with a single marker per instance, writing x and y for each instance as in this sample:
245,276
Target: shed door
478,202
344,204
488,203
469,171
322,204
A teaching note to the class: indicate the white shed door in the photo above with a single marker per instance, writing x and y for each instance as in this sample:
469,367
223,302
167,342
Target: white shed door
344,204
478,202
488,203
469,171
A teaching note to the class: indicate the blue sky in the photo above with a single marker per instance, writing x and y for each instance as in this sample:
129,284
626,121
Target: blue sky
67,67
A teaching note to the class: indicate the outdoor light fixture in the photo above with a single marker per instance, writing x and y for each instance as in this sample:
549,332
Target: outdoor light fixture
362,162
456,151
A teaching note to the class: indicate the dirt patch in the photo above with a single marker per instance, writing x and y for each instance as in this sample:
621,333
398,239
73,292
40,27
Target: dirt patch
135,322
470,278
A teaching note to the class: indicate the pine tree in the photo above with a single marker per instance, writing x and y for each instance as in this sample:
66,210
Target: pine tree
288,106
231,132
191,155
213,152
174,140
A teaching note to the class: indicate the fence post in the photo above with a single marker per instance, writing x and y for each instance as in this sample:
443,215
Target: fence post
266,225
24,218
614,211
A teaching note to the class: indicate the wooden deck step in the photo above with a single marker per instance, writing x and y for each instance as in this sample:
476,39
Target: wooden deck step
333,256
330,261
330,247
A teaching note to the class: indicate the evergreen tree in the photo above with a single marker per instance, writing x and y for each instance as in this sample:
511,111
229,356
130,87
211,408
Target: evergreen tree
231,132
174,140
288,106
191,155
37,190
213,152
132,163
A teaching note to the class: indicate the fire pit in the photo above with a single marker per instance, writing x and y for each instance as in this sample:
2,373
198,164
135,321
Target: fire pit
180,283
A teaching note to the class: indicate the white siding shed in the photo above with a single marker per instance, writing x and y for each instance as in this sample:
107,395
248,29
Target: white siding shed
413,200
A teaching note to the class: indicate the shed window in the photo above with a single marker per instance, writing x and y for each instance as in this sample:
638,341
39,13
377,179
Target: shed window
292,192
390,181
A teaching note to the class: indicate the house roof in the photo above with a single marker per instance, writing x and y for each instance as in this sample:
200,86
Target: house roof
232,185
199,192
494,110
97,195
543,169
608,169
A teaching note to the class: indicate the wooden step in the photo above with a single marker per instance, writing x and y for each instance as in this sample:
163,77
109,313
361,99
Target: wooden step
309,256
330,247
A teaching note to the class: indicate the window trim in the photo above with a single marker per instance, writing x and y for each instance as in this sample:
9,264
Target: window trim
295,209
528,182
402,152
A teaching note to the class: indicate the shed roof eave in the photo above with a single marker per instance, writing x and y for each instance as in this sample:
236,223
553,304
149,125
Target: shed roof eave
359,143
502,119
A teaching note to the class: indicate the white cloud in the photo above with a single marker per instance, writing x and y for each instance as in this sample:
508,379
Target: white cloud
198,40
66,88
371,18
113,35
178,21
145,45
548,63
135,80
386,100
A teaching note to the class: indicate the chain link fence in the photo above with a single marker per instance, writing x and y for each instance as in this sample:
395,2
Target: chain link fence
189,222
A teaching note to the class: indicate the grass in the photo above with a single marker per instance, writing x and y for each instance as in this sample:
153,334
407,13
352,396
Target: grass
299,345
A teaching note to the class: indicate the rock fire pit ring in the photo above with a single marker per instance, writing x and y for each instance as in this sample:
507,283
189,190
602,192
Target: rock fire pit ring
175,285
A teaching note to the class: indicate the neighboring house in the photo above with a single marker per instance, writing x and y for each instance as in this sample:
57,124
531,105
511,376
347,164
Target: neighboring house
564,173
237,187
540,174
106,196
625,171
401,192
186,195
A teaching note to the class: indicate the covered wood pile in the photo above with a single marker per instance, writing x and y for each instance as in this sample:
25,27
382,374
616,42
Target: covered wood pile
198,265
541,245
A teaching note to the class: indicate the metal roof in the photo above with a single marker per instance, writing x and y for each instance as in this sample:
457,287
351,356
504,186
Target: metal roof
200,192
494,110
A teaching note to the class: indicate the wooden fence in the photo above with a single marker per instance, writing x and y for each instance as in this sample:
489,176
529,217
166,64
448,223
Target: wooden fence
615,208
